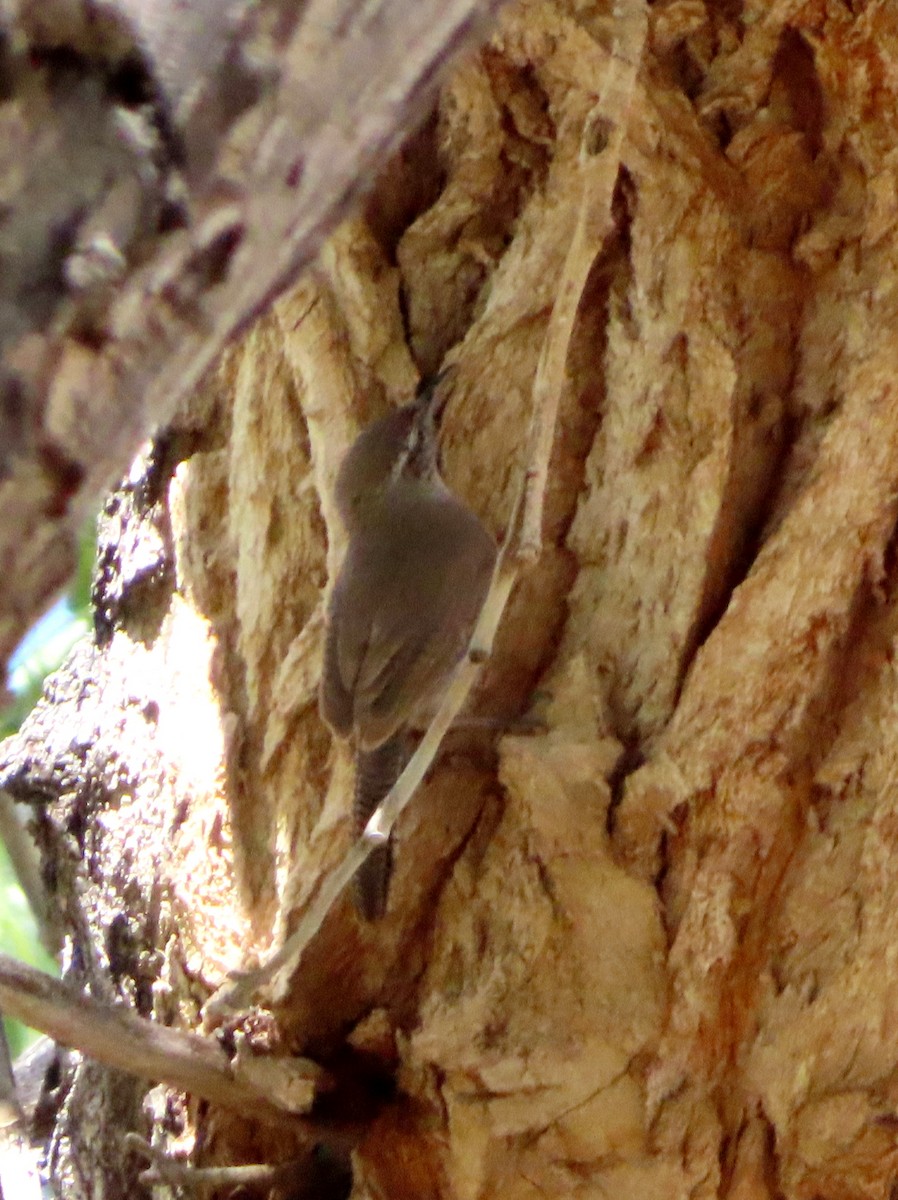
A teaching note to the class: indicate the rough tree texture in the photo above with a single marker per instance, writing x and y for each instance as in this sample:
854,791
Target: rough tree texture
649,950
167,167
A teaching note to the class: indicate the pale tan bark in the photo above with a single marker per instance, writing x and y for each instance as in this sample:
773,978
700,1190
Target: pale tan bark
648,950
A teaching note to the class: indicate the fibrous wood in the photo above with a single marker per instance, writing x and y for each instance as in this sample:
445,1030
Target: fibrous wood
646,949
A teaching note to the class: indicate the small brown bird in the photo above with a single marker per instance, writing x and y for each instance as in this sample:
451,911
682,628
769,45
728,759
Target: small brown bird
417,570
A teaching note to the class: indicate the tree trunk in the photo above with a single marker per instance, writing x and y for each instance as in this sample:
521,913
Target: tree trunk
646,947
168,168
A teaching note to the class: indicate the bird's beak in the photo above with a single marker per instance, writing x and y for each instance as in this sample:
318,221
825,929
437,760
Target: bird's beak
433,395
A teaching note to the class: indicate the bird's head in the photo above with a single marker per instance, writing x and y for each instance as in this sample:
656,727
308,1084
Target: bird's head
401,447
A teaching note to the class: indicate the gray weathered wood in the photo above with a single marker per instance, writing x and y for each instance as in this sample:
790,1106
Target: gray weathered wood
167,169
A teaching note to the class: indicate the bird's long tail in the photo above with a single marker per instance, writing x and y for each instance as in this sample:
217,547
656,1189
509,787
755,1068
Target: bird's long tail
375,773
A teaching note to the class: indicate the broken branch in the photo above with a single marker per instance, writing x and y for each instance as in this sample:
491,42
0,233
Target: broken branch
120,1038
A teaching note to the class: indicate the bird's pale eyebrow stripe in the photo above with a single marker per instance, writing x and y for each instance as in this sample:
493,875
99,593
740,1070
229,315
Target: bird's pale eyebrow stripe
411,448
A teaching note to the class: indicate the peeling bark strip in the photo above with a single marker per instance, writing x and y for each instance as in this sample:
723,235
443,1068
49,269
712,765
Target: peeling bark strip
167,169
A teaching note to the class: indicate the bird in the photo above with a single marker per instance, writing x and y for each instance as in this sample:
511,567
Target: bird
417,570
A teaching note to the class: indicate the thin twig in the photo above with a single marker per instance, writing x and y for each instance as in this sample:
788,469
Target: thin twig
601,144
25,862
166,1169
599,170
175,1173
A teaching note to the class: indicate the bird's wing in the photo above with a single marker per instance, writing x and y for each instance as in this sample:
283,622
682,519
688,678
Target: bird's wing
334,696
360,653
419,632
390,688
396,632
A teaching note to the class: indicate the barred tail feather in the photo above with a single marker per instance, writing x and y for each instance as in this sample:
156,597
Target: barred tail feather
375,773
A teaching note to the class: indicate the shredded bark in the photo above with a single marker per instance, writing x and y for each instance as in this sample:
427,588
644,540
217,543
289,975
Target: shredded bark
644,948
